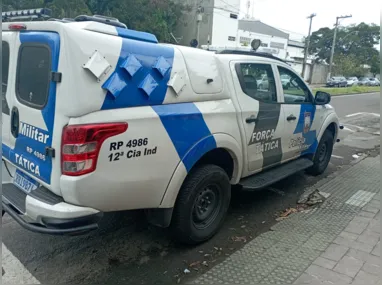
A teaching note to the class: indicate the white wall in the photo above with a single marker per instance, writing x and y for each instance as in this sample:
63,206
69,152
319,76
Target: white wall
265,39
224,27
295,52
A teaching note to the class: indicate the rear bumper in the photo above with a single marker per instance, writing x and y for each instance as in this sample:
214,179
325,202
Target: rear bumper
43,212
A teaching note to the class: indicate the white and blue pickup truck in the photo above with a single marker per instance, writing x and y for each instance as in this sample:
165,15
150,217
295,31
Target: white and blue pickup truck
99,118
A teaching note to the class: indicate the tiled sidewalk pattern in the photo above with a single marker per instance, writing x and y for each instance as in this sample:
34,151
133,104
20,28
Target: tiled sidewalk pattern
337,243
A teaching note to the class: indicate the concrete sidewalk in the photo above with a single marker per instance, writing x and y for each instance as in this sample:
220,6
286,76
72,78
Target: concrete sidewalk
335,243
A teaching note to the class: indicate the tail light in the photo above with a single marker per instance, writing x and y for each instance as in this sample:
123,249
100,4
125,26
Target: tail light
81,145
17,27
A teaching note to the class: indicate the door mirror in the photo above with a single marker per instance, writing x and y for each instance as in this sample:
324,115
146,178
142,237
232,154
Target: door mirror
322,98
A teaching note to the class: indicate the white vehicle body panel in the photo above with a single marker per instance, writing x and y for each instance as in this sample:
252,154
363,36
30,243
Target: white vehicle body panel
182,102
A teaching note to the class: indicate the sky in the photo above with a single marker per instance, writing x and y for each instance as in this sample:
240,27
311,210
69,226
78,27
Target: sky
291,15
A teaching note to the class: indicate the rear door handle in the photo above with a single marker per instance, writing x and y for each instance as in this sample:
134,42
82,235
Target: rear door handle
251,119
15,122
291,118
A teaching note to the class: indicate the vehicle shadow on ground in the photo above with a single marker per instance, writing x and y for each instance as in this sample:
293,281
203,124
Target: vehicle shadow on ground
126,249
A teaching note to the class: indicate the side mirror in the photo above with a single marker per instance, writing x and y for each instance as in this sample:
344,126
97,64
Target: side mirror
322,98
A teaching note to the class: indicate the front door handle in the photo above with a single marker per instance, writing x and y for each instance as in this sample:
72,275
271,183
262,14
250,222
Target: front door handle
251,119
291,118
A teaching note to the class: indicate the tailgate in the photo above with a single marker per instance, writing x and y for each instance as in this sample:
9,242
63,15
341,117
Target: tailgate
30,61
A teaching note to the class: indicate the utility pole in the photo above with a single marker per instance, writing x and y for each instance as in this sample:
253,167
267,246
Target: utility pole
199,18
334,43
307,45
248,6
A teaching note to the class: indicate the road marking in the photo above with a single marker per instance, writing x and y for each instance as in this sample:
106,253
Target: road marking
362,113
352,115
360,198
14,271
347,129
337,156
353,95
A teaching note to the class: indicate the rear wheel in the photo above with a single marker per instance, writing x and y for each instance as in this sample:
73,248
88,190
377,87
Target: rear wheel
202,205
323,154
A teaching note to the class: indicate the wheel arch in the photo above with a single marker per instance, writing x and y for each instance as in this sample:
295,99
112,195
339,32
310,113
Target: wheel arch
330,123
226,147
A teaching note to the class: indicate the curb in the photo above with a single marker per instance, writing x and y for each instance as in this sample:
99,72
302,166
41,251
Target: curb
347,94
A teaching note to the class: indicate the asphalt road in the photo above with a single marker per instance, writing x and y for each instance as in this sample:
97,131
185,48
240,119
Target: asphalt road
130,251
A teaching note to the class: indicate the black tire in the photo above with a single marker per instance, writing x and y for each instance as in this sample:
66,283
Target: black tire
323,154
202,205
2,212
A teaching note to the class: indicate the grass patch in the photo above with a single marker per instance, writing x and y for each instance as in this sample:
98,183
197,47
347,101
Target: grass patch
348,90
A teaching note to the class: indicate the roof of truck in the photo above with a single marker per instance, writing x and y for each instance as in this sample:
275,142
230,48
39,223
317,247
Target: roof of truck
136,35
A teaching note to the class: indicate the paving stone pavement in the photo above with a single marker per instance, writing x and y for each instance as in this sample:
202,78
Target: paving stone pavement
336,243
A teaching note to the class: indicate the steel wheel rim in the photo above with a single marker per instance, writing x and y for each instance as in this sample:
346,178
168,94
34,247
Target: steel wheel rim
323,153
206,206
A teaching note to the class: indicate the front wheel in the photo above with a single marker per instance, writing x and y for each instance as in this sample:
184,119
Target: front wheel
323,154
202,205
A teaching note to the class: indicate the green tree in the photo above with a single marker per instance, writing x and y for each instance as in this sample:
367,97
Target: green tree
357,40
375,65
347,66
68,8
159,17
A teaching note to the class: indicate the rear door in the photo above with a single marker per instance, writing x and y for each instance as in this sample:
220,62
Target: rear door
7,67
31,95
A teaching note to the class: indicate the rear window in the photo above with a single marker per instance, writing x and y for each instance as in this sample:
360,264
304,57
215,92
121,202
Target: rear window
4,78
33,75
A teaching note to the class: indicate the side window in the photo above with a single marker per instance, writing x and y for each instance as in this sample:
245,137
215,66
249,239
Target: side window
257,81
33,75
295,90
4,78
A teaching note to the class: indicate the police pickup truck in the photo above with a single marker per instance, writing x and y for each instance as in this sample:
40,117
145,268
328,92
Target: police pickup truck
99,118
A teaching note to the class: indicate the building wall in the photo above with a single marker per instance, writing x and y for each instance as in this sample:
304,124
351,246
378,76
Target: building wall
275,45
216,25
224,29
295,53
187,26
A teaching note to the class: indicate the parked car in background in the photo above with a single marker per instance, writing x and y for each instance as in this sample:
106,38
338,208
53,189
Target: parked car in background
262,82
351,81
285,81
374,82
364,81
337,82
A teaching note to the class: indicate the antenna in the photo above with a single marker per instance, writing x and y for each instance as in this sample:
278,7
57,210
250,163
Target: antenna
248,6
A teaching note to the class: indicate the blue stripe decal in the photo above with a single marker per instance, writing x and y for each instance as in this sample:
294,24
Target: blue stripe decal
29,150
309,135
187,130
140,77
136,35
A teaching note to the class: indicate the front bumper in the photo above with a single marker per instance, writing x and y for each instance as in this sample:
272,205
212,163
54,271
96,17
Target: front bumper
42,211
